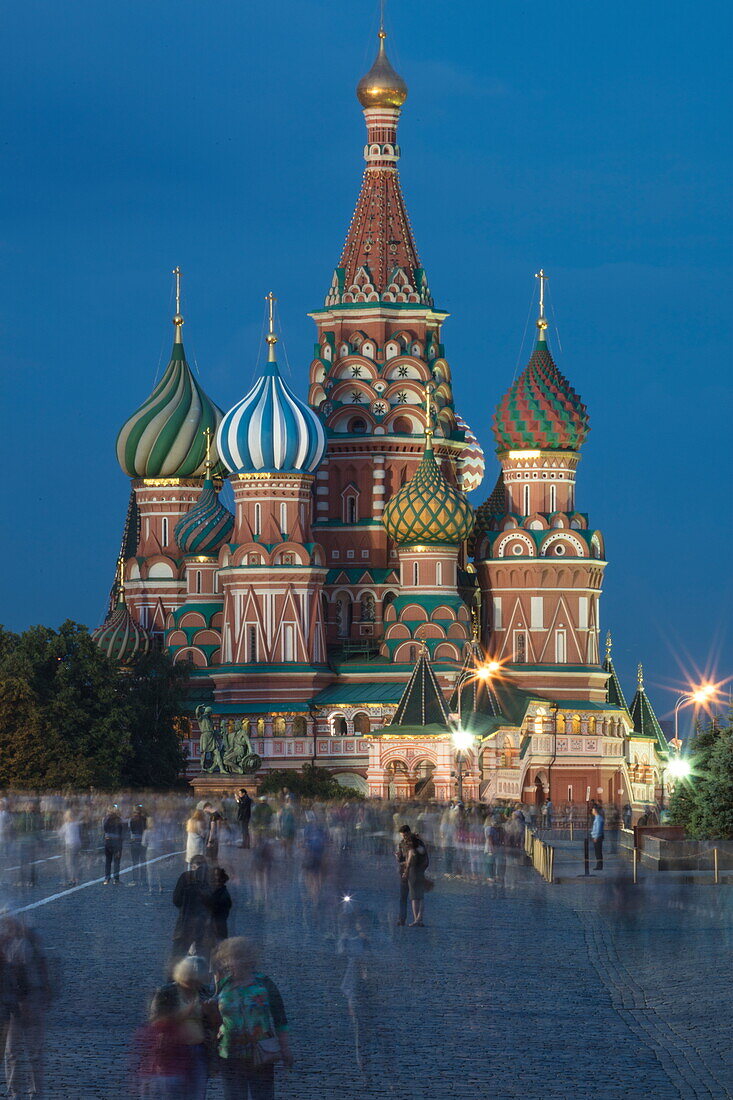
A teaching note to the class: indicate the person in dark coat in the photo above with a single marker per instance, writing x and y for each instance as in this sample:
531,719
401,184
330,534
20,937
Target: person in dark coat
219,905
191,896
244,813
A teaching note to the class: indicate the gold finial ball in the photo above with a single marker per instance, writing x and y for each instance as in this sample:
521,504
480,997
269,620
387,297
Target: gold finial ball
382,86
271,338
178,320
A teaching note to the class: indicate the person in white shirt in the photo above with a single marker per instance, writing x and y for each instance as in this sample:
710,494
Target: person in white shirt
70,836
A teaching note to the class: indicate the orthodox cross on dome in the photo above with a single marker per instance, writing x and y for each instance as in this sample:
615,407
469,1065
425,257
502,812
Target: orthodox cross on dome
640,676
178,319
271,338
208,463
541,321
429,417
121,580
609,643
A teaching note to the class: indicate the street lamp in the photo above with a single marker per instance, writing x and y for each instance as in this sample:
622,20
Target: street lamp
462,742
698,696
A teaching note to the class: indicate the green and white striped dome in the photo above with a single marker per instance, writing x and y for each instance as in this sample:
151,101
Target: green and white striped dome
166,436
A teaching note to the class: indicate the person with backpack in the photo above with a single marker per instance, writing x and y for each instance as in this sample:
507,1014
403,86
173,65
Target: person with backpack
253,1035
416,865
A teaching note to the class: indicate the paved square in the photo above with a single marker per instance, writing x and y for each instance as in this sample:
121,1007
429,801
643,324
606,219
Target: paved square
525,990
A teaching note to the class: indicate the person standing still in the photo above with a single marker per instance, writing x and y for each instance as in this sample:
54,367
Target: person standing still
244,813
403,850
112,828
137,825
596,834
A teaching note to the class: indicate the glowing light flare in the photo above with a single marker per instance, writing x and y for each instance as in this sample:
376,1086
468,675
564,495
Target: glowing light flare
679,768
462,740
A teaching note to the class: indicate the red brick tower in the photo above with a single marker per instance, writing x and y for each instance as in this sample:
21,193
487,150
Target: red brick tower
379,345
540,565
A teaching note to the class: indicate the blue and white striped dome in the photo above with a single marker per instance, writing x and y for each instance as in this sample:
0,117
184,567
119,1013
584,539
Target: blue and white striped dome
270,430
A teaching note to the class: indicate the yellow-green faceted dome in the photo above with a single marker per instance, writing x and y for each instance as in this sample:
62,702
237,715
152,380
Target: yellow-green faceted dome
427,510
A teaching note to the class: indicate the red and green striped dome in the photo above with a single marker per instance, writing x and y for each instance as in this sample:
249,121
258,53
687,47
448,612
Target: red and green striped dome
541,411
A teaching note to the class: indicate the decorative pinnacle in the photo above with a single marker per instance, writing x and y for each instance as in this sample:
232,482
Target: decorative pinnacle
640,676
541,321
178,319
121,580
609,643
428,417
271,338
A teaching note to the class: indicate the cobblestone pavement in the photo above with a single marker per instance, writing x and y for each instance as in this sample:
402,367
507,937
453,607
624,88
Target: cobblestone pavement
524,990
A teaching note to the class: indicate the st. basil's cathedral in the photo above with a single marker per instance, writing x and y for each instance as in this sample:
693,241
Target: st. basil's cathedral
354,611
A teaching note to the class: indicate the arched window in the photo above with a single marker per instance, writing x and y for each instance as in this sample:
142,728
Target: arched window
339,727
278,726
439,573
351,509
164,530
300,726
361,724
402,426
258,520
526,500
283,517
198,582
553,498
415,574
358,426
252,640
560,648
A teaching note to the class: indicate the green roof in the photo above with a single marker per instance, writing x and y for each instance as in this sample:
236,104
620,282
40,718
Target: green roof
645,720
422,703
368,692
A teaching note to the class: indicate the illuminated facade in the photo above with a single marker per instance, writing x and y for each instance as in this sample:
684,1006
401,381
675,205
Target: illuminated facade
353,586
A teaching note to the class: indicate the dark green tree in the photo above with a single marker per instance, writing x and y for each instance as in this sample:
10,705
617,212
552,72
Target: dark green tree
704,802
310,782
69,716
155,691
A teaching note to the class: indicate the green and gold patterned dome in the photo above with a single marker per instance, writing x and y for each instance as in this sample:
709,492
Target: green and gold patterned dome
427,510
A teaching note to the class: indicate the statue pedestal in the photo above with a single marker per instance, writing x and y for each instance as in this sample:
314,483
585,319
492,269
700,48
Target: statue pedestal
215,786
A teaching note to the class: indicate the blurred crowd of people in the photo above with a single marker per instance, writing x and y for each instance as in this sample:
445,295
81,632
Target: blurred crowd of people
217,1012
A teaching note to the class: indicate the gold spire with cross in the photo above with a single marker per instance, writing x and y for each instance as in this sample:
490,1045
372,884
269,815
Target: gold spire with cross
541,320
382,32
429,417
121,580
271,338
640,676
178,319
208,463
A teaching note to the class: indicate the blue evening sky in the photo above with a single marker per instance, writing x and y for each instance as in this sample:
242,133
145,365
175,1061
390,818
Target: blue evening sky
591,139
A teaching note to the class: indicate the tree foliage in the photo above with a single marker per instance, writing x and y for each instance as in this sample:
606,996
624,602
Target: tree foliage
70,716
311,782
704,802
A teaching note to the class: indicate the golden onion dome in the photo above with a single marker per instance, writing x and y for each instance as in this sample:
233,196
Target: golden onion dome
382,86
427,509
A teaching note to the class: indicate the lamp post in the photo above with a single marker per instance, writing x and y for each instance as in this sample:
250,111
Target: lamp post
698,696
462,742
